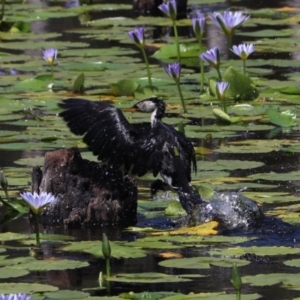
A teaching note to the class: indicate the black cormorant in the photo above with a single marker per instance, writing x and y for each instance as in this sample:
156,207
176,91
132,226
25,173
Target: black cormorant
159,148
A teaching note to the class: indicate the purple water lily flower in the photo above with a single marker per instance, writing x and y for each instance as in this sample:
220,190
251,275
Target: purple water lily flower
173,70
169,9
243,50
38,202
50,55
230,21
221,88
212,57
137,36
198,25
15,297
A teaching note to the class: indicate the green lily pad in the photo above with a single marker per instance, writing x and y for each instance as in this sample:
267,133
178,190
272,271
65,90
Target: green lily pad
170,50
282,118
271,279
212,296
31,264
26,288
241,86
229,165
295,175
262,251
175,209
66,294
147,278
201,262
6,272
293,263
124,87
11,236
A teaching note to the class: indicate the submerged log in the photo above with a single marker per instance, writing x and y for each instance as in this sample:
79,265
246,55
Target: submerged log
88,193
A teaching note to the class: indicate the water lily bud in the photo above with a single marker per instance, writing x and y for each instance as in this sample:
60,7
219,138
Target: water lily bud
236,278
106,250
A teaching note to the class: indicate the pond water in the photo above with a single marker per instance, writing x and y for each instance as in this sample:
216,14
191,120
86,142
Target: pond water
258,155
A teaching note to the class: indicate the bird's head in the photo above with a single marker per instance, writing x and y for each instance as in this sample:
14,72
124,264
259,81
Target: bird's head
149,105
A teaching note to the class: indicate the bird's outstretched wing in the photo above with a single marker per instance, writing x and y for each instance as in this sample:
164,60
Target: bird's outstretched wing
106,131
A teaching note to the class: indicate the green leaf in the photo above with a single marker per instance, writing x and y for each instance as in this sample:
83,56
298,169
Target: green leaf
6,272
175,209
78,86
20,26
147,278
170,51
11,236
221,115
205,191
202,262
66,294
241,86
290,90
282,118
12,287
124,87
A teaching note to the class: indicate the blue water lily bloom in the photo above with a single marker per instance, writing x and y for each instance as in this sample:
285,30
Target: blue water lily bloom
15,297
198,25
221,88
243,50
137,36
230,21
50,55
169,9
38,202
173,70
212,57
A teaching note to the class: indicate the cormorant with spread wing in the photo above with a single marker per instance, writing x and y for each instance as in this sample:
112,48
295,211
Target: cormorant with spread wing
159,148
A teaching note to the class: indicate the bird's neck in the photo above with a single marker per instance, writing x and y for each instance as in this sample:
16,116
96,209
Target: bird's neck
156,116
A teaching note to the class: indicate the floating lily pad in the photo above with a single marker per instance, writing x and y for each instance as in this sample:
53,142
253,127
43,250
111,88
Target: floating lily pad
229,164
6,272
147,278
66,294
201,262
31,264
26,288
212,296
11,236
262,251
287,279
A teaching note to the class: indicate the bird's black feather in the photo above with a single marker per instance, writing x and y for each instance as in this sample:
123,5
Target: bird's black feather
158,148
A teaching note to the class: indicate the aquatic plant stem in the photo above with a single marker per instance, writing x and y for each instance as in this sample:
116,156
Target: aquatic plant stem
107,263
52,72
238,295
147,66
181,96
219,74
37,229
244,66
229,43
201,68
224,105
176,40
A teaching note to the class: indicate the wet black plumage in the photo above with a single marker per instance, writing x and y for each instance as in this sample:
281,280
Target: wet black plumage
158,148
